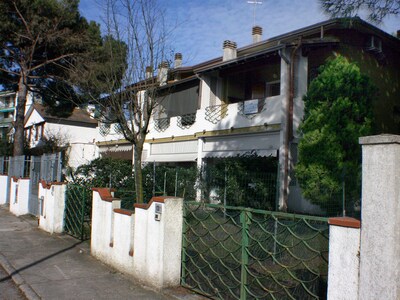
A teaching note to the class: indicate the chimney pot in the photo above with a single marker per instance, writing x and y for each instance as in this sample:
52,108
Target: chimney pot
257,34
149,72
162,73
178,60
230,51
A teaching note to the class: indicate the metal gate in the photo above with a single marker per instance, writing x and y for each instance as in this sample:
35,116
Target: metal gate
35,164
78,211
242,253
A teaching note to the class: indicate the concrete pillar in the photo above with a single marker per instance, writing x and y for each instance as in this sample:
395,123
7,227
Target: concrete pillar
200,144
344,259
380,234
4,185
284,96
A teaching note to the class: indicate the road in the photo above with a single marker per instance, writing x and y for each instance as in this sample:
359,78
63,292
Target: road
8,289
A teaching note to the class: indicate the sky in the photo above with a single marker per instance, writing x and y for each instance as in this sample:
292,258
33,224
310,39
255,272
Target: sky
201,26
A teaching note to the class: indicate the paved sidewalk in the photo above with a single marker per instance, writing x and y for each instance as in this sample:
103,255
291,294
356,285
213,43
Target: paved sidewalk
59,267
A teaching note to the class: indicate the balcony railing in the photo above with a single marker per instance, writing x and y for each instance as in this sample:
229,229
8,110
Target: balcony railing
104,129
216,113
186,121
161,124
6,120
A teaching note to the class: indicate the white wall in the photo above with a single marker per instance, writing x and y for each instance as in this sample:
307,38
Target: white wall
19,196
366,265
138,244
102,224
51,218
123,247
4,187
344,259
81,153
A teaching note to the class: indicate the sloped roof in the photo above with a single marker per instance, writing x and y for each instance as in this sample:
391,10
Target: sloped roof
79,117
278,42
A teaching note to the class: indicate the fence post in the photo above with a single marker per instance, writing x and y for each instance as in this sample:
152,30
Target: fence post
380,234
184,245
245,219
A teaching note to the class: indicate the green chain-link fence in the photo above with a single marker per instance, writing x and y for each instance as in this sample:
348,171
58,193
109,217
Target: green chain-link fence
242,253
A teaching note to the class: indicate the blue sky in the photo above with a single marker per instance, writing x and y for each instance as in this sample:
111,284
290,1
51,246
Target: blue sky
201,26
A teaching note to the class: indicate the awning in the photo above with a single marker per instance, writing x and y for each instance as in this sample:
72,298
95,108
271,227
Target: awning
263,144
115,148
233,153
172,157
8,109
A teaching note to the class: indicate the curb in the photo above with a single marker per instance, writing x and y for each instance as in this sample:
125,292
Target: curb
25,288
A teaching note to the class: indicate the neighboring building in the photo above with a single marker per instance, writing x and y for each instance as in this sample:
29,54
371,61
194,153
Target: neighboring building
8,103
76,132
250,99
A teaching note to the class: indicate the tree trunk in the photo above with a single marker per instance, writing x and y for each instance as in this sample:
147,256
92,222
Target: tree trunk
138,173
20,116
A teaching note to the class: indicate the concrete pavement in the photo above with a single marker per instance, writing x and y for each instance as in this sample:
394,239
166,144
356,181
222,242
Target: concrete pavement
8,289
59,267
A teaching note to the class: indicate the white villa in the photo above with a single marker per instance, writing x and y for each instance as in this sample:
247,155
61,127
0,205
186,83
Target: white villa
78,132
250,98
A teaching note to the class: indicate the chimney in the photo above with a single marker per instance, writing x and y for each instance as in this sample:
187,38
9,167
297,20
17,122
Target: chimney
149,72
257,34
229,50
178,60
398,34
162,75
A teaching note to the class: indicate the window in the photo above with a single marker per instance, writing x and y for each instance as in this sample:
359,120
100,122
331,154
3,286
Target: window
273,88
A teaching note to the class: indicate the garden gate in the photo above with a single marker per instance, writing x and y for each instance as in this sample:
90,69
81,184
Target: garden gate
78,211
243,253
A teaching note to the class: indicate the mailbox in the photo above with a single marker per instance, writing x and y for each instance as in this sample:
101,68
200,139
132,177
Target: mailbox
157,212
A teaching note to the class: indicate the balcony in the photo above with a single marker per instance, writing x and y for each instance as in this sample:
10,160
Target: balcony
250,113
4,121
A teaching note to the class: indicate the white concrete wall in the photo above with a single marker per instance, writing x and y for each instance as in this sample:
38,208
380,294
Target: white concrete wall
137,244
102,224
3,189
123,247
52,217
19,196
380,234
344,261
81,153
369,269
158,244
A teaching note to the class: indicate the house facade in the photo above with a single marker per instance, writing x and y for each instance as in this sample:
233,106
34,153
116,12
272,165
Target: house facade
249,100
77,133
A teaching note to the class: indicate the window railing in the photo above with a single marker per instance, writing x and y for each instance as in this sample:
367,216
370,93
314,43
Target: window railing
216,113
186,121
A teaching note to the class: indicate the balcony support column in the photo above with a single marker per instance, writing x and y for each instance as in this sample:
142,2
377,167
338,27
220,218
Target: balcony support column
200,144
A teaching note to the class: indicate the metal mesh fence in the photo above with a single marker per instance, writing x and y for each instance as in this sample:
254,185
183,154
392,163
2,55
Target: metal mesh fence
242,253
4,162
